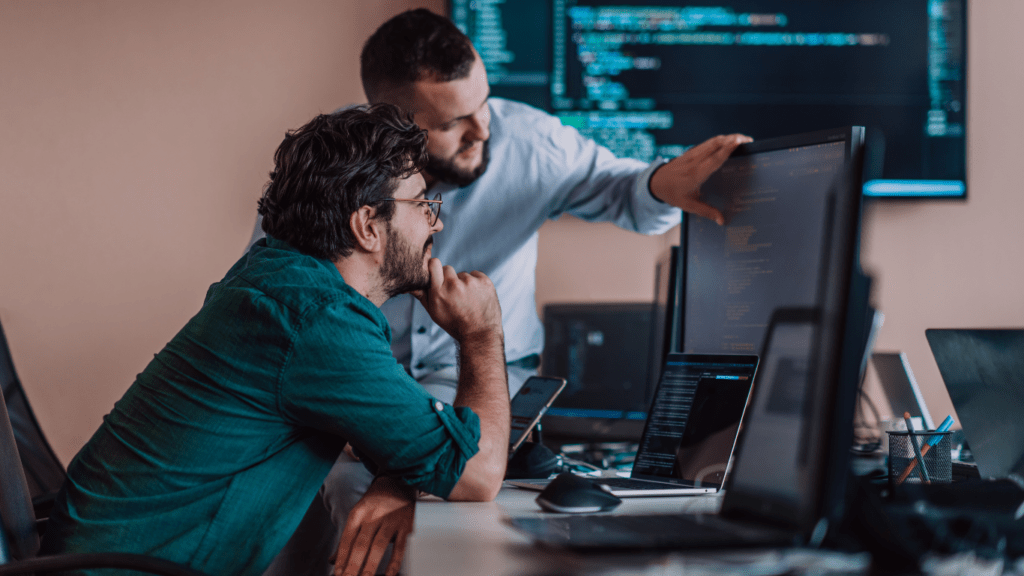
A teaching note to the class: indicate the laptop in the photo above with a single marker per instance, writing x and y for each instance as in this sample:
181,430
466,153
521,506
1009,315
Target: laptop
900,387
984,374
691,428
788,479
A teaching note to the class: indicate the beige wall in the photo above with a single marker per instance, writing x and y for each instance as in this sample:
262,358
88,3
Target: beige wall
135,138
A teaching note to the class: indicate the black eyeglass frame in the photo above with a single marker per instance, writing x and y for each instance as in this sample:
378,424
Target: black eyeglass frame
436,201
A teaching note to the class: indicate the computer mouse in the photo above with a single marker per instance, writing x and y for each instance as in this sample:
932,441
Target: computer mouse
573,494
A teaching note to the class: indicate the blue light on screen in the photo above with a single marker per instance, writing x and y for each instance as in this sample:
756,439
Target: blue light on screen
602,414
911,188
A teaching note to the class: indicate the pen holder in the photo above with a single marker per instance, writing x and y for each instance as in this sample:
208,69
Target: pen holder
904,467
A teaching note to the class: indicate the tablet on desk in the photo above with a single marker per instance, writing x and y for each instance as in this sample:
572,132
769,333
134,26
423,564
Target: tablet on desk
530,403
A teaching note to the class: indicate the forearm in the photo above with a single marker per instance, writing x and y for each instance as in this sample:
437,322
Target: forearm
624,198
483,387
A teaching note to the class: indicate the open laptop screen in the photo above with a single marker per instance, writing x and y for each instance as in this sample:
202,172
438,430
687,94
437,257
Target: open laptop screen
692,426
983,371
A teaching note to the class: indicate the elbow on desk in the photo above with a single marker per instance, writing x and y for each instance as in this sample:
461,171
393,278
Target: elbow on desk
478,485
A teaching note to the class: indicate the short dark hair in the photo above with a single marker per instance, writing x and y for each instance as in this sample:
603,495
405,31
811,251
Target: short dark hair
414,45
332,166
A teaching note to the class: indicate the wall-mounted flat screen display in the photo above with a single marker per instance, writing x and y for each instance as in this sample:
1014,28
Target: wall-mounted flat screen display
651,78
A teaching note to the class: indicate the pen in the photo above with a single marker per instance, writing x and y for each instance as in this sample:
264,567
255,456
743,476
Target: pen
946,425
917,449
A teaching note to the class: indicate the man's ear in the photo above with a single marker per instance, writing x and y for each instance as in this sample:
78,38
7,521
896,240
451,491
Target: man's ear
368,231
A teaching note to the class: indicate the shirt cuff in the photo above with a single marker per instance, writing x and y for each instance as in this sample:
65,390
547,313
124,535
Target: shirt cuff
650,209
643,180
464,426
441,476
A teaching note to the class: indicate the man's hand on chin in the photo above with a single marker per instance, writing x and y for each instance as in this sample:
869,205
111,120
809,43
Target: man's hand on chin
384,514
463,304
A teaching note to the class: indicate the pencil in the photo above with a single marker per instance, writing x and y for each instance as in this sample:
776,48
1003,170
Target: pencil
917,449
945,426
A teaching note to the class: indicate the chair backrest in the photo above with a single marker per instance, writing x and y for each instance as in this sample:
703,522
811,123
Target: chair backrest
18,537
43,470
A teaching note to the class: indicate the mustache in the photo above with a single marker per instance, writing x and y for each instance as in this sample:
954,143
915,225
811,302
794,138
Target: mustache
465,147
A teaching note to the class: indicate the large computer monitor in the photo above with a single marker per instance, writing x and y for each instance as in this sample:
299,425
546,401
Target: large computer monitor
777,199
793,289
649,78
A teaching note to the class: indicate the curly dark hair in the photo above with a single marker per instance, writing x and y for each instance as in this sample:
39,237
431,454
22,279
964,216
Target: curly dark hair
332,166
414,45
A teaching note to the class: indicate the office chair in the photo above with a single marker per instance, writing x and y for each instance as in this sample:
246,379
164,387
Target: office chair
19,538
43,470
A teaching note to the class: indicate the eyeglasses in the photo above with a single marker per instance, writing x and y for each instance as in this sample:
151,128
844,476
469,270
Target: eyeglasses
434,205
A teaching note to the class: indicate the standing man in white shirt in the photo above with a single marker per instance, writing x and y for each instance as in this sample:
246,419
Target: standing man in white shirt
504,169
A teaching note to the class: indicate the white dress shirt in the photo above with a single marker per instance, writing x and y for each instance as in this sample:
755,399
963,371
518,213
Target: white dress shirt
539,169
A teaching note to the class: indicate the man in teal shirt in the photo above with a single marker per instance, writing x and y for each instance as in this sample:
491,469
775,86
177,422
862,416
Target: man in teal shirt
215,452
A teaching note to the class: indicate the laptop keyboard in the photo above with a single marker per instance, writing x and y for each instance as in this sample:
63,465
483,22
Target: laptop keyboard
636,484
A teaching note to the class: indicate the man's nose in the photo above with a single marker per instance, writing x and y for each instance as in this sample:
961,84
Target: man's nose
478,127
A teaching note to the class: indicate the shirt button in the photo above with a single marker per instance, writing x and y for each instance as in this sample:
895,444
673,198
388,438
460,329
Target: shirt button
438,406
421,330
420,366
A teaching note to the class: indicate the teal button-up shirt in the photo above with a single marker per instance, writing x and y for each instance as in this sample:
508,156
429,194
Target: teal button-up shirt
213,455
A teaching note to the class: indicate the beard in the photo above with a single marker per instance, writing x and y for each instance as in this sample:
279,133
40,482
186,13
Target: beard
445,170
403,269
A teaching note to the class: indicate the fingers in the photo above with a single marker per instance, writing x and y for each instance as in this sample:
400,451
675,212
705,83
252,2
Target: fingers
480,275
450,275
706,148
717,145
359,551
706,211
436,273
358,554
342,557
377,550
348,536
729,145
397,554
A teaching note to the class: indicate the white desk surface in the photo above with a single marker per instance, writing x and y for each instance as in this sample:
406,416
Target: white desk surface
463,539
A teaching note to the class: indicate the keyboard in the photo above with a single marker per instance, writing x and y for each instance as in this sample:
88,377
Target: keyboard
637,484
649,531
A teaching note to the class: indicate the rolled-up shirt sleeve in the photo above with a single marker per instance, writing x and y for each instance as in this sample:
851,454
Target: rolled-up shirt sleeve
341,378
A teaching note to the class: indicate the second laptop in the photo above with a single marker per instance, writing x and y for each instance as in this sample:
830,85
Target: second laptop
691,428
